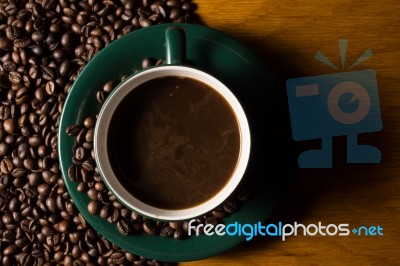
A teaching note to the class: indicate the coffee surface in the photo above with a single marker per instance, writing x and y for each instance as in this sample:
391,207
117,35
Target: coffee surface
174,142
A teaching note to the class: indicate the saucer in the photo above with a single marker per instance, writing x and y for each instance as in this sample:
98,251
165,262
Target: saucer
253,84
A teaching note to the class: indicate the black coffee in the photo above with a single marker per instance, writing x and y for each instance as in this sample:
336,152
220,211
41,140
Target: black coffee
174,142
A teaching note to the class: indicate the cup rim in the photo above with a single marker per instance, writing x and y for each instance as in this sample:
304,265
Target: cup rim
101,151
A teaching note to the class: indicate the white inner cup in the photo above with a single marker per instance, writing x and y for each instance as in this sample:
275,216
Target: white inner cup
101,137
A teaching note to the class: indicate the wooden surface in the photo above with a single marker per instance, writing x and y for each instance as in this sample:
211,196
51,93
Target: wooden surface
287,35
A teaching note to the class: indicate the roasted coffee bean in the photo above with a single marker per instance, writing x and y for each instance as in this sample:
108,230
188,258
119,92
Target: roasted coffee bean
62,226
44,189
49,4
80,153
37,50
230,206
65,68
9,125
80,138
47,73
51,204
6,166
13,32
94,207
35,141
73,130
11,249
73,173
211,220
88,165
166,231
101,96
123,227
89,122
4,148
14,77
118,257
30,164
50,87
145,22
175,13
99,186
4,112
22,43
89,135
179,234
150,228
105,211
6,44
218,213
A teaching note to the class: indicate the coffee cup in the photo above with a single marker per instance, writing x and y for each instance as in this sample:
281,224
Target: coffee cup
172,142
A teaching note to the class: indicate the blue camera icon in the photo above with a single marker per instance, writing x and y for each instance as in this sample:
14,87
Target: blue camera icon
340,104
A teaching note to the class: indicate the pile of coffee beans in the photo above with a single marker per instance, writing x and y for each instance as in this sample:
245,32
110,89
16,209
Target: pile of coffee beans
104,203
44,44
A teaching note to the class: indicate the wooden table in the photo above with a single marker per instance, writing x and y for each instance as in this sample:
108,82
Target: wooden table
287,34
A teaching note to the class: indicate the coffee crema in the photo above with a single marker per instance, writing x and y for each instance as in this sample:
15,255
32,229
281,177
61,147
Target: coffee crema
174,142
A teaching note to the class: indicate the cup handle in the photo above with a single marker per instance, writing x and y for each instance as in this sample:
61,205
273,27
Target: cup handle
175,46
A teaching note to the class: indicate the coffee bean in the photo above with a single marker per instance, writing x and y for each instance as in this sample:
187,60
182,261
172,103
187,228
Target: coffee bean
101,96
175,13
14,77
105,211
94,207
80,138
73,130
37,50
9,125
35,141
144,22
176,225
230,207
5,44
6,166
11,249
99,186
123,227
179,234
51,204
49,4
80,153
166,231
4,148
30,164
50,87
149,228
88,165
62,226
89,122
89,136
73,173
218,213
43,189
47,72
118,258
211,220
22,43
13,32
68,39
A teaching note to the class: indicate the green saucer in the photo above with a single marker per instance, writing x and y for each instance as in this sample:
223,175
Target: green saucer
253,84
